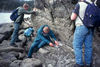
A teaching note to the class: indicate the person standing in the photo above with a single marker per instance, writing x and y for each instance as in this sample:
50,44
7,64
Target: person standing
82,35
21,11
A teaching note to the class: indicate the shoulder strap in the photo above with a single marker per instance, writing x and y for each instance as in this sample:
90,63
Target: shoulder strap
87,2
79,15
80,18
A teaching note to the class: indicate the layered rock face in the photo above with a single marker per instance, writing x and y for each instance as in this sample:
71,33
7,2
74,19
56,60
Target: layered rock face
56,13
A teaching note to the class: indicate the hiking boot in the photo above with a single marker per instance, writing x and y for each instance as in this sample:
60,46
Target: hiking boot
29,57
18,40
77,65
13,45
88,65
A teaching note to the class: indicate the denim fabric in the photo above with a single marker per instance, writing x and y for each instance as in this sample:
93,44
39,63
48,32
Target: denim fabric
35,45
83,35
41,35
15,33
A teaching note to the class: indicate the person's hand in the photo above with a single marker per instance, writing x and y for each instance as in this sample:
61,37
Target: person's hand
51,44
35,9
56,43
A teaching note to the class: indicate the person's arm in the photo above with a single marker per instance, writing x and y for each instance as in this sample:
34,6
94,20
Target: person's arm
52,35
75,12
39,33
28,12
23,11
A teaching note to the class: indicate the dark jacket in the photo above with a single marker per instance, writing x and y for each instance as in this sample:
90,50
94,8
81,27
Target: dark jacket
44,37
21,12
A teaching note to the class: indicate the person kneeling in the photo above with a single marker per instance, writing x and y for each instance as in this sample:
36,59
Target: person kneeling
43,37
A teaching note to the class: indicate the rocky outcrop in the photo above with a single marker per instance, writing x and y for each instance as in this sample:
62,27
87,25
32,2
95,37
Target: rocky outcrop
31,63
55,13
5,31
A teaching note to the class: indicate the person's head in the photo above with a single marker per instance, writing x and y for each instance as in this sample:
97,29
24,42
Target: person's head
25,6
46,29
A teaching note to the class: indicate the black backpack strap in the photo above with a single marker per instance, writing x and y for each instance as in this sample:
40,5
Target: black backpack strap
79,16
87,2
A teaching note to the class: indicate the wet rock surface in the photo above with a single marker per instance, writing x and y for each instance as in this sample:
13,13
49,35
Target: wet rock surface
55,13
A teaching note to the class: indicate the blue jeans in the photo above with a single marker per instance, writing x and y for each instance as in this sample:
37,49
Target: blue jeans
83,35
35,45
15,33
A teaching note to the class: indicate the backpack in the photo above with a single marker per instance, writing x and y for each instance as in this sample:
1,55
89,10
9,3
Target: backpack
28,32
92,16
14,15
98,3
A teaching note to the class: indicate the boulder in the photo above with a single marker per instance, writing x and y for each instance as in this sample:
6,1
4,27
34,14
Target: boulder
7,30
4,44
1,37
43,51
22,37
9,56
97,62
5,63
15,63
50,65
31,63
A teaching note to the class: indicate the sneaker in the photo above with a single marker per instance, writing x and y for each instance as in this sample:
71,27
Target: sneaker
18,40
88,65
77,65
29,57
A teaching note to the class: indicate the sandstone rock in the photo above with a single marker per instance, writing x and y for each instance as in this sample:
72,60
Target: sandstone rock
31,63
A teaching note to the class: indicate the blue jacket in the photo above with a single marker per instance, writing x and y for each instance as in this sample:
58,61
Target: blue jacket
44,37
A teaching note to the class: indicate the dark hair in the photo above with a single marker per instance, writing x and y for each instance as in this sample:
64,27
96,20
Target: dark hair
74,1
